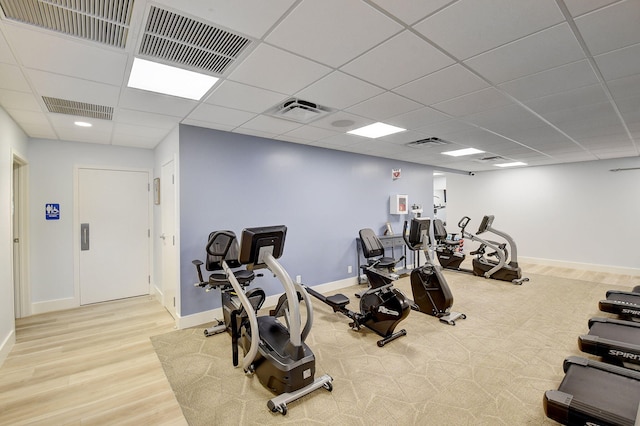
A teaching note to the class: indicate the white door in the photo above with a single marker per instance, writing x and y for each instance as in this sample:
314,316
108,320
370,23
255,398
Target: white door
113,209
16,203
168,236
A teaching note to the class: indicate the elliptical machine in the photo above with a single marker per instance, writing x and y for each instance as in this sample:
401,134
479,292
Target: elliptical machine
505,268
382,307
276,353
431,293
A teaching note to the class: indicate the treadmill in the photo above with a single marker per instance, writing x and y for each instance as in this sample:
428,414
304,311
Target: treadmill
594,392
626,304
616,341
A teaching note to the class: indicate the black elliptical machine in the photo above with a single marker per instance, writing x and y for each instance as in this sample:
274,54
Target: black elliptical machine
382,307
231,306
431,293
275,352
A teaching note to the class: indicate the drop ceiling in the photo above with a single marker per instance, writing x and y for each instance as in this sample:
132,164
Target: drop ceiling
541,82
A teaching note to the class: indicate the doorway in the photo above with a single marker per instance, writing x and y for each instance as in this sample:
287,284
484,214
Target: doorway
114,232
168,237
21,291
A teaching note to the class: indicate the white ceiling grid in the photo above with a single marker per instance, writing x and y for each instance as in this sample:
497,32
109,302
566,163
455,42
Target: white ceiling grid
543,82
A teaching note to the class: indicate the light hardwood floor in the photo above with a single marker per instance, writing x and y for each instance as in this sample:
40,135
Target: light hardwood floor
90,365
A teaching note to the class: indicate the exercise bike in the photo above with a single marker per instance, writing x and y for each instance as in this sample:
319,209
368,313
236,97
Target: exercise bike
382,307
274,352
231,305
431,293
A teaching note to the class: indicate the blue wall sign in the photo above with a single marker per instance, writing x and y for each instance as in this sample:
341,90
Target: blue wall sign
52,211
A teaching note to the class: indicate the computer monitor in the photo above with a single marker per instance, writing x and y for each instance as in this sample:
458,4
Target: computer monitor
257,242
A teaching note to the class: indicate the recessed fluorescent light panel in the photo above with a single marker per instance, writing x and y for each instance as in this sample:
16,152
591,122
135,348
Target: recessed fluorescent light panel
376,130
461,152
82,124
160,78
514,164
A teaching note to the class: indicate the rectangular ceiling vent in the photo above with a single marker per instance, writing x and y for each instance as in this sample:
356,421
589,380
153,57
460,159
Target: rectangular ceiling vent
102,21
489,159
176,38
298,110
427,142
82,109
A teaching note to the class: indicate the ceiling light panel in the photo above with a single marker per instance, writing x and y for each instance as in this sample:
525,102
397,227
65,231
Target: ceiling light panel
177,38
461,152
376,130
102,21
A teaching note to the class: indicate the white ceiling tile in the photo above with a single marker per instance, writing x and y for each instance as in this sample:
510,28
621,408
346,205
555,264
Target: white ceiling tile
473,102
619,63
528,55
338,90
138,136
445,129
221,115
442,85
252,132
397,61
25,118
39,131
234,95
311,133
271,125
411,11
253,18
75,89
570,99
590,121
97,134
612,27
506,119
142,118
208,125
318,30
417,118
554,80
132,141
469,27
340,117
142,100
12,78
384,106
626,87
10,99
46,51
403,138
5,52
277,70
578,7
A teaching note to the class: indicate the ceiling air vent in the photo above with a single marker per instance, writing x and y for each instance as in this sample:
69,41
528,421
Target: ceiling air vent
102,21
489,159
182,40
82,109
298,110
427,142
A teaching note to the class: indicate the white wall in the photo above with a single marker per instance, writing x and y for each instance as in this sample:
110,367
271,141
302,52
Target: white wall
574,214
12,141
51,180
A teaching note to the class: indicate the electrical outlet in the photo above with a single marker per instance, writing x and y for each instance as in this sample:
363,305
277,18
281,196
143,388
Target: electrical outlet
299,279
349,269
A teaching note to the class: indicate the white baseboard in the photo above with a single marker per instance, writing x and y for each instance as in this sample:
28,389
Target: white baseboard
581,266
53,305
7,345
205,317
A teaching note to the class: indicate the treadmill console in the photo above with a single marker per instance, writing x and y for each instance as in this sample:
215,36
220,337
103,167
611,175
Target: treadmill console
485,224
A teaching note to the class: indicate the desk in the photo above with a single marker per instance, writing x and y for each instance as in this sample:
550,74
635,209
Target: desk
388,241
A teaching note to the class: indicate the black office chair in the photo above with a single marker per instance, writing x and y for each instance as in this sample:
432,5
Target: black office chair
374,251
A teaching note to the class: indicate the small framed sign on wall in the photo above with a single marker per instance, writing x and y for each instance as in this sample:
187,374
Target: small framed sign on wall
156,191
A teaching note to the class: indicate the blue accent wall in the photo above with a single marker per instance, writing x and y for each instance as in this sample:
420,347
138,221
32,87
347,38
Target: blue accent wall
324,197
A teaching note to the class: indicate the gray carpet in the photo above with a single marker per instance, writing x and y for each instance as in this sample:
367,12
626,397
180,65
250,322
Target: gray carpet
490,369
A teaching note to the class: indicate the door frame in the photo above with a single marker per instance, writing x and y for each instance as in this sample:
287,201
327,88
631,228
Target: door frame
175,312
76,222
22,287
